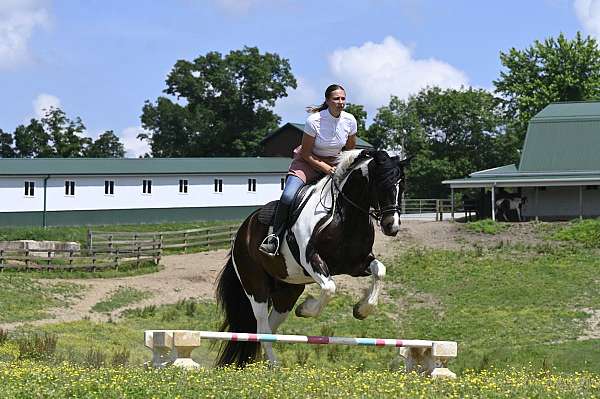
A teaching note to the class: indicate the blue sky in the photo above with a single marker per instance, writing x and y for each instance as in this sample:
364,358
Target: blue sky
100,60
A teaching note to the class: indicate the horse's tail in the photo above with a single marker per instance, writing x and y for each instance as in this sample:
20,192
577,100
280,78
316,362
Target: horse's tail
238,318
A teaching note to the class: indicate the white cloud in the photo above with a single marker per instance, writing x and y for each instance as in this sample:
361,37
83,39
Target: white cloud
588,13
292,108
18,20
134,147
374,71
43,103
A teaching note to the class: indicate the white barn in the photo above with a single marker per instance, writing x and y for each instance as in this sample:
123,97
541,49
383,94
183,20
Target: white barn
82,191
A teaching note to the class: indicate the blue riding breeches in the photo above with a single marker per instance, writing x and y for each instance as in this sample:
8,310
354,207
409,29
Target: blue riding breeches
292,185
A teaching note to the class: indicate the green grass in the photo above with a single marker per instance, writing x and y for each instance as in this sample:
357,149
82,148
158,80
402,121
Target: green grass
79,233
119,298
486,226
125,270
39,380
584,232
510,305
24,299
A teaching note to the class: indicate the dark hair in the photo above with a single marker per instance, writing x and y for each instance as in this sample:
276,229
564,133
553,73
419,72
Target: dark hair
330,89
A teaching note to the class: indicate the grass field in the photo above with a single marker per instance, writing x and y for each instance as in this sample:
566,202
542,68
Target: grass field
510,307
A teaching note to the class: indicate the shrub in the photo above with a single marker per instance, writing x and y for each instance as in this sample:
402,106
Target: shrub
120,357
95,358
37,346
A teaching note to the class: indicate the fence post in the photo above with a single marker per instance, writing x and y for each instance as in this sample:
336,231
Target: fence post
185,242
110,243
27,258
48,260
138,255
1,260
71,260
207,240
437,210
117,259
90,239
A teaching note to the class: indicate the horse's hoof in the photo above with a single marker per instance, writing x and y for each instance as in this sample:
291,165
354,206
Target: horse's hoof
308,308
360,311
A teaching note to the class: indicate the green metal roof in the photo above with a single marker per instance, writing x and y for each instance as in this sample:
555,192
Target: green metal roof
360,143
569,110
566,144
562,147
141,166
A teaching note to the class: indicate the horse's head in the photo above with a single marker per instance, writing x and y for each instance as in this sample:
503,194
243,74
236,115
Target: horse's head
386,177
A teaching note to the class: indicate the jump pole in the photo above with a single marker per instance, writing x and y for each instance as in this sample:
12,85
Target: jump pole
174,347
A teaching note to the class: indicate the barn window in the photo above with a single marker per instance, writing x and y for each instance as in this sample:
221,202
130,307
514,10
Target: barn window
252,185
109,187
218,185
147,186
29,188
69,187
183,186
591,187
282,183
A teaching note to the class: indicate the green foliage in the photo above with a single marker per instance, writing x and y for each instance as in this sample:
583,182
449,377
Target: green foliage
55,135
119,298
487,226
548,71
107,145
586,232
226,106
6,142
450,133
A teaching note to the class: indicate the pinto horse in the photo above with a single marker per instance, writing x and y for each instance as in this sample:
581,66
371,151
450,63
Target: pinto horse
332,235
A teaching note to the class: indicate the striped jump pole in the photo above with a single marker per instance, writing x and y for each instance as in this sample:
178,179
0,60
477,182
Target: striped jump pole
174,347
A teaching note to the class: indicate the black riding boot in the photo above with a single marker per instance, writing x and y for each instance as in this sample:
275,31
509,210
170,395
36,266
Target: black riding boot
271,243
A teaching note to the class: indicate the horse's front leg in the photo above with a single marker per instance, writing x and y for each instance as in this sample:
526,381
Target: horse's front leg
312,307
367,304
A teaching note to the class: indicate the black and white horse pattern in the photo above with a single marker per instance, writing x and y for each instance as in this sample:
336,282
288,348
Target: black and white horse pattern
333,235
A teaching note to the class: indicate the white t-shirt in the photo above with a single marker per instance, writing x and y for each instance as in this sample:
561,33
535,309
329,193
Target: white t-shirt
330,133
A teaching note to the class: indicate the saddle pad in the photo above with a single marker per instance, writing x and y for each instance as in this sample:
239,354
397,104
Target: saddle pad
267,213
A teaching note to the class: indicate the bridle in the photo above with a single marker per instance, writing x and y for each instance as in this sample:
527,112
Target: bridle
377,213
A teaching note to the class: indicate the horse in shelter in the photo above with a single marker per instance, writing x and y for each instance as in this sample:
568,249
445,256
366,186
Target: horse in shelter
508,203
330,233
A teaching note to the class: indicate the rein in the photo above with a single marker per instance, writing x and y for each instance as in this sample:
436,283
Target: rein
376,214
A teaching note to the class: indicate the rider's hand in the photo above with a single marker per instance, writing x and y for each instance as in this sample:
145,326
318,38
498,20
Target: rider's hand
331,170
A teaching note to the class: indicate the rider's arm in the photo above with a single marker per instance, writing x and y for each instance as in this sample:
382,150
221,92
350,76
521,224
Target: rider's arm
350,143
306,153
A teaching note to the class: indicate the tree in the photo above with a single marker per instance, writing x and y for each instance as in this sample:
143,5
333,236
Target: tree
224,108
6,142
106,146
449,133
549,71
32,141
358,111
67,135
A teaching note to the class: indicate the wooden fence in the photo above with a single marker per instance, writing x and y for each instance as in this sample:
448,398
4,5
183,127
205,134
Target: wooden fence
152,240
30,259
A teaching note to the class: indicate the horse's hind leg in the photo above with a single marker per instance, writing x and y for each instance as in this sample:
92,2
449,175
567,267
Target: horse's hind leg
261,313
367,304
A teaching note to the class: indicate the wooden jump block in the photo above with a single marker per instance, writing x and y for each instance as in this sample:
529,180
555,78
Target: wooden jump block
431,360
172,347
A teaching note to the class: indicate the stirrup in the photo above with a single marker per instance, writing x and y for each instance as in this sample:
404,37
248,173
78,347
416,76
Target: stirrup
264,242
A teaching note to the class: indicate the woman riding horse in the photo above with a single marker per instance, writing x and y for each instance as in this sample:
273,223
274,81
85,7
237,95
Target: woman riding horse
327,130
333,234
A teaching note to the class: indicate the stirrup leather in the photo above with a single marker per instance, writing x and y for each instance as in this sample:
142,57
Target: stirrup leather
265,242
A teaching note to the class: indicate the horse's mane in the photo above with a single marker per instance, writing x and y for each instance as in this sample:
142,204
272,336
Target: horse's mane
344,161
